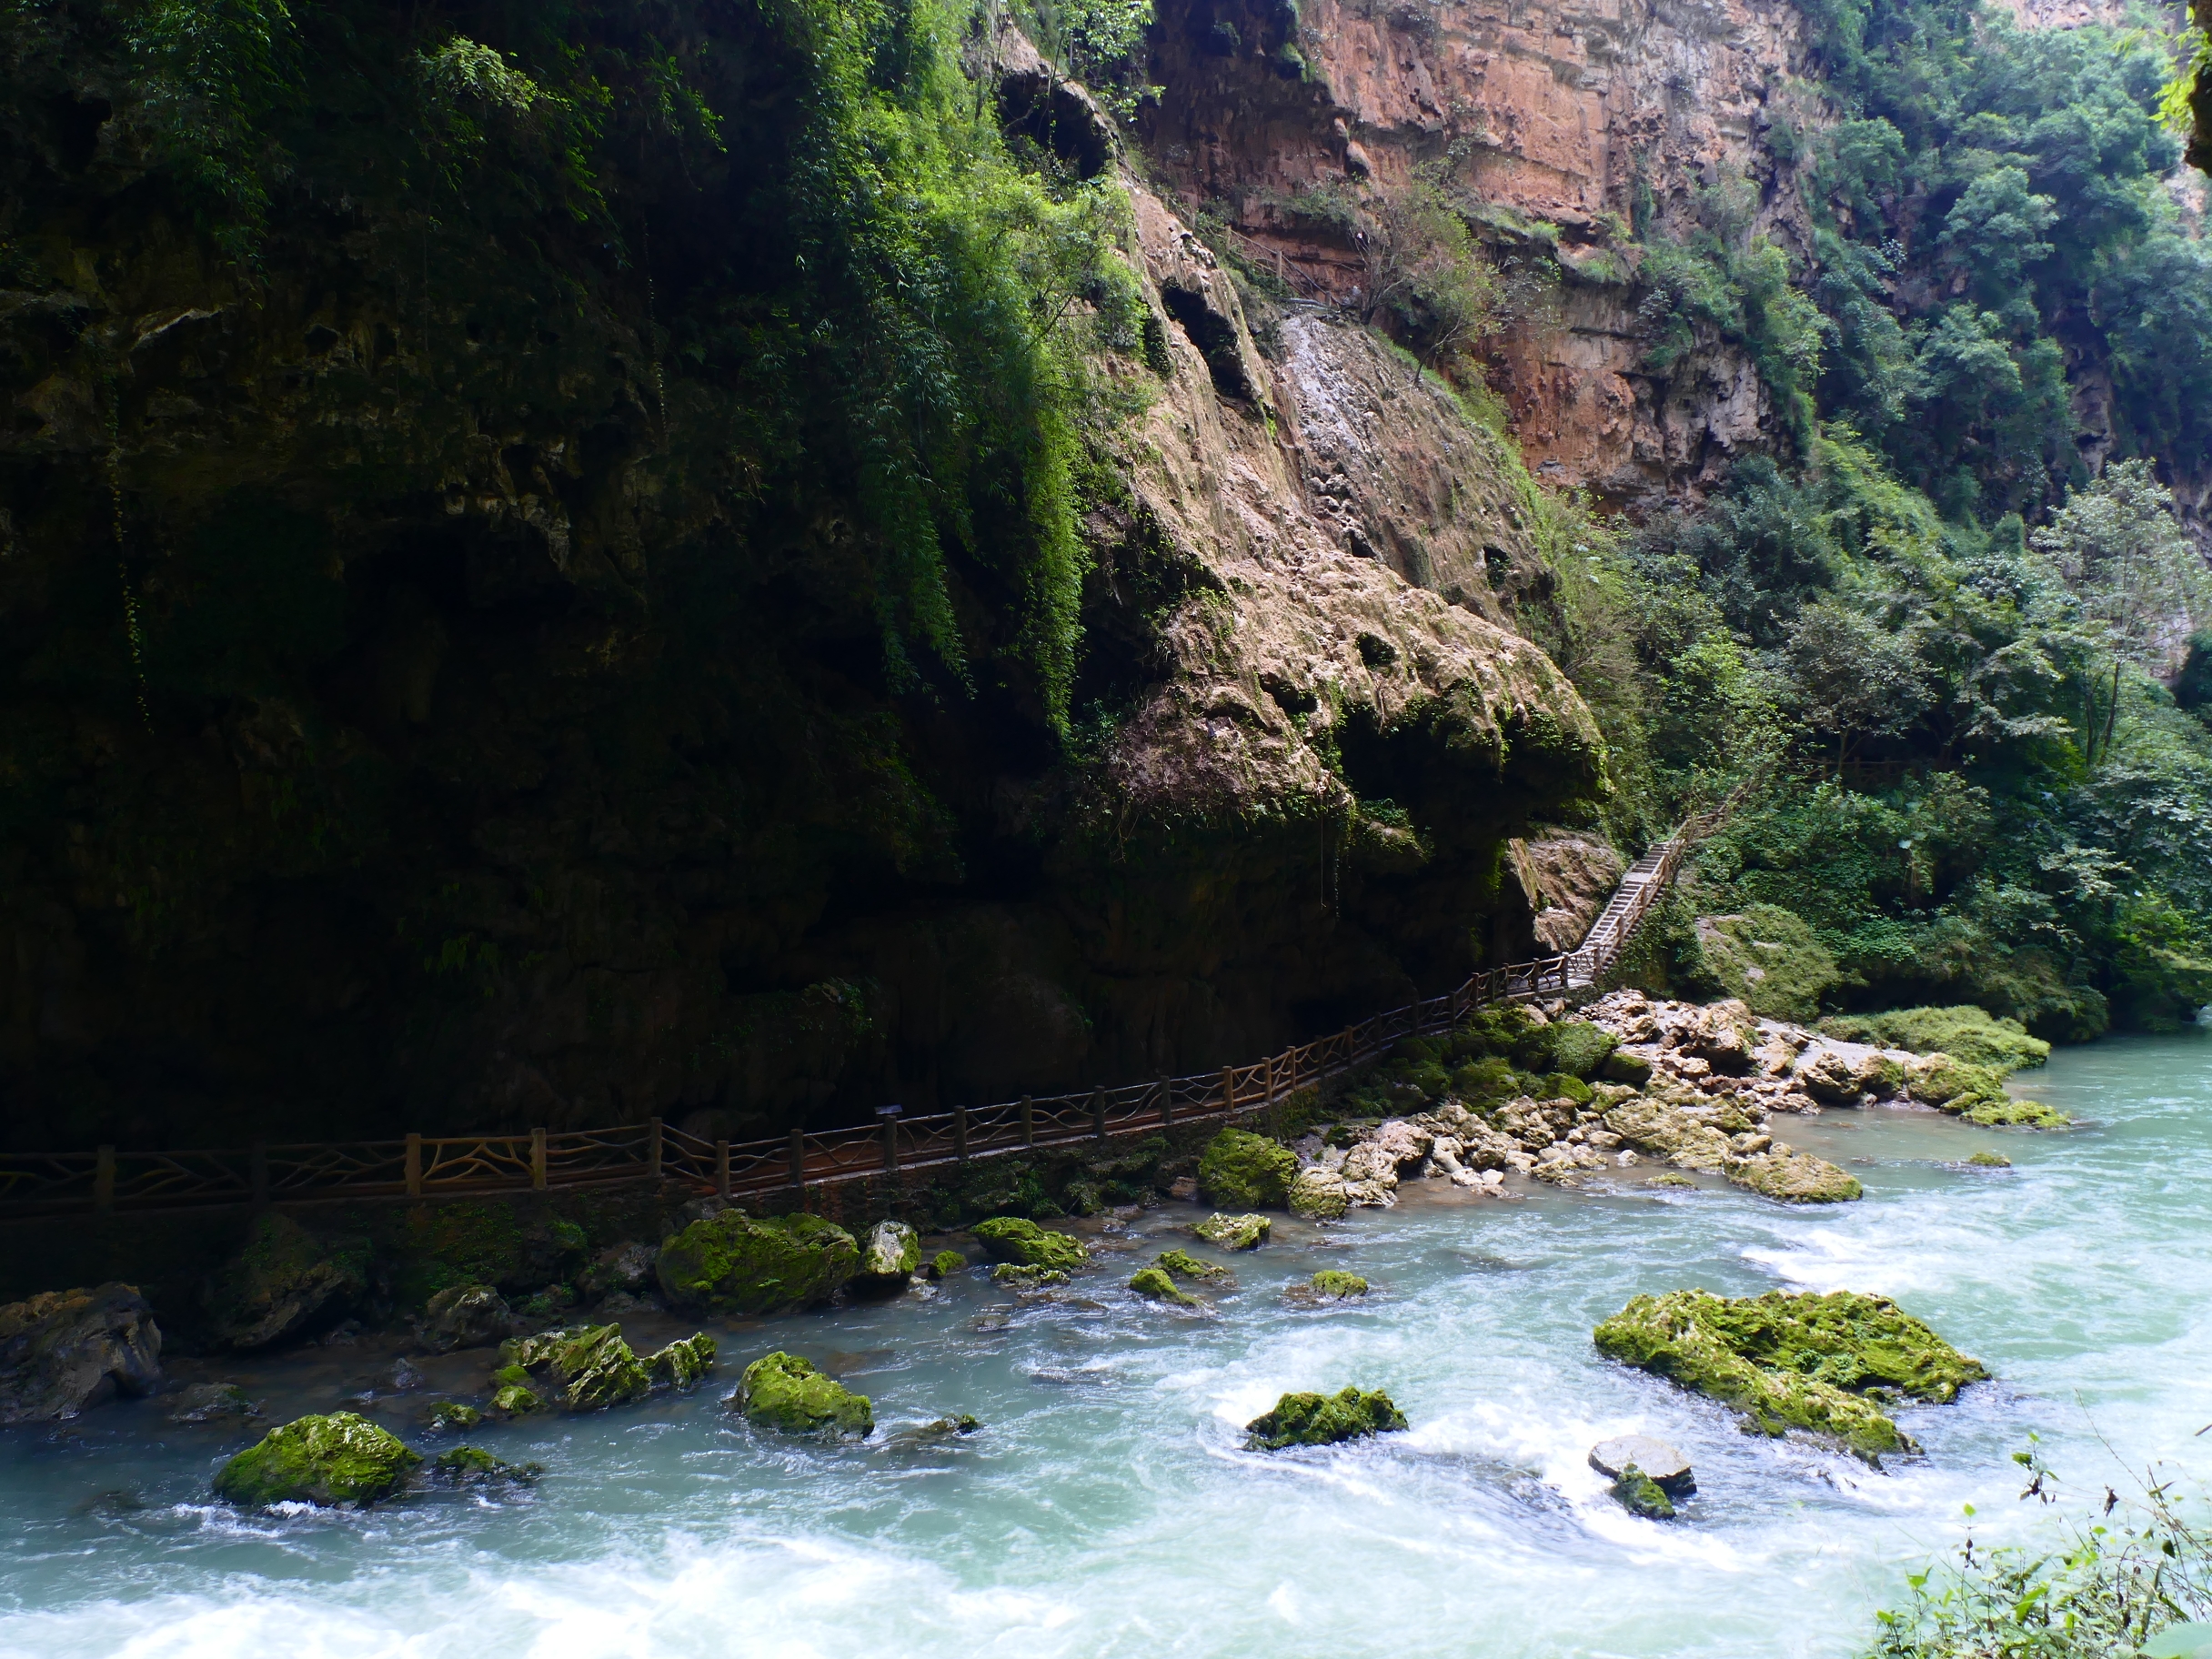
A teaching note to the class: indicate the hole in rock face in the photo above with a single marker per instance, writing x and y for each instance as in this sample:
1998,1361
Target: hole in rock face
1377,652
76,129
320,339
1214,335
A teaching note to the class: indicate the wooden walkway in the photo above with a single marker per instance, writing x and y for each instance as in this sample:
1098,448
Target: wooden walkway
106,1181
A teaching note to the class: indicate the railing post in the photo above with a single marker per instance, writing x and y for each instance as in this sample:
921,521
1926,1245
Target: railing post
104,1181
960,1133
799,1158
1098,1112
1029,1121
1229,1091
413,1166
1167,1103
1267,1078
538,1160
721,1170
652,1147
890,1146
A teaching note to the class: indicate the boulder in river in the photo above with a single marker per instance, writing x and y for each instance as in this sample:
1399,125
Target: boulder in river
1335,1285
731,1263
454,1414
945,1263
339,1458
1234,1231
890,1257
623,1269
286,1282
1319,1194
64,1351
784,1392
1012,1239
1153,1285
584,1369
1657,1460
1642,1495
1248,1170
1323,1420
1183,1264
473,1466
211,1403
464,1316
1823,1364
1016,1277
1794,1177
682,1362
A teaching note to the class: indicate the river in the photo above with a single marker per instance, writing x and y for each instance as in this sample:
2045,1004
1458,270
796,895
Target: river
1107,1509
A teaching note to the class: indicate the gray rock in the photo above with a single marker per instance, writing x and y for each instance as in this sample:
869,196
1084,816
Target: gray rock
889,1255
211,1402
284,1284
464,1316
627,1267
1661,1465
63,1351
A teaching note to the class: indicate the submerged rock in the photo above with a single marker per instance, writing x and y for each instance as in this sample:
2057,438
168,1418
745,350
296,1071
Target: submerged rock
284,1284
890,1256
1794,1177
1011,1238
1015,1276
63,1351
1234,1231
584,1369
1823,1364
782,1392
1247,1170
339,1458
1990,1161
682,1362
1153,1285
1336,1285
731,1263
1654,1459
211,1403
464,1316
472,1466
454,1414
1323,1420
2016,1114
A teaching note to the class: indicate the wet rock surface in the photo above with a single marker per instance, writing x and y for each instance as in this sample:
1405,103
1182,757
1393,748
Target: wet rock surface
340,1458
286,1284
1657,1460
64,1352
785,1393
1323,1420
729,1262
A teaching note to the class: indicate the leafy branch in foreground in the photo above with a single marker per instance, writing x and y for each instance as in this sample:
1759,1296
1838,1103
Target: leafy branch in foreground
2136,1582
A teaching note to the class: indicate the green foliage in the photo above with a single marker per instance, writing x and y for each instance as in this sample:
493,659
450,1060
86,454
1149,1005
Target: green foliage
2106,1587
1098,42
1768,957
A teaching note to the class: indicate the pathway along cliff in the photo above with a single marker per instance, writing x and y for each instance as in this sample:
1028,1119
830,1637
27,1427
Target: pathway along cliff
1106,1508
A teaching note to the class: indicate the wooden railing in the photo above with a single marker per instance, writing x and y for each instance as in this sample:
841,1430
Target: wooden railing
106,1181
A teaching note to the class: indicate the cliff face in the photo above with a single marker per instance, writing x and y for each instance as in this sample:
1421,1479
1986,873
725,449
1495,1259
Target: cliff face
417,717
1570,121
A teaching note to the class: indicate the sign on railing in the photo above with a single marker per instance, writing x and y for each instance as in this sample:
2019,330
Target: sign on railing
418,1166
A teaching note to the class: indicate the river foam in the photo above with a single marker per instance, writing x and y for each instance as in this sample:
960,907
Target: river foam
1107,1507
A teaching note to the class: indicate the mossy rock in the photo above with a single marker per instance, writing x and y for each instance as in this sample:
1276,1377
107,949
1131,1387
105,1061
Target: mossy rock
1670,1179
1318,1195
1969,1035
1011,1238
454,1414
516,1400
1635,1070
516,1247
585,1369
1770,959
1990,1161
1014,1276
1234,1231
750,1266
1485,1080
1640,1495
682,1364
1184,1265
1566,1086
1249,1171
1797,1178
1153,1285
472,1466
1336,1285
1822,1363
890,1256
784,1393
1579,1048
947,1262
1323,1420
285,1283
2014,1114
1953,1085
342,1458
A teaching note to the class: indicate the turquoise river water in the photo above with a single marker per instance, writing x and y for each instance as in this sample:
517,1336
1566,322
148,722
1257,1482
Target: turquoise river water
1107,1509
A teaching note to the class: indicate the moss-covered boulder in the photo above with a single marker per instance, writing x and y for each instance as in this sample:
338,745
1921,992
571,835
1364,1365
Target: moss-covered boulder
1249,1171
1639,1495
1970,1035
1635,1070
516,1400
1579,1048
1769,958
1014,1276
1795,1177
890,1256
585,1369
1337,1286
749,1266
947,1262
1823,1364
1012,1238
474,1466
1323,1420
1990,1161
339,1458
454,1414
1319,1194
1153,1285
682,1364
1183,1264
1234,1231
2016,1114
785,1393
286,1282
463,1316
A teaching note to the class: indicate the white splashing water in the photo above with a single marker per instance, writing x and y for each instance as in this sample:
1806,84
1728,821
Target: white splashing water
1108,1510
